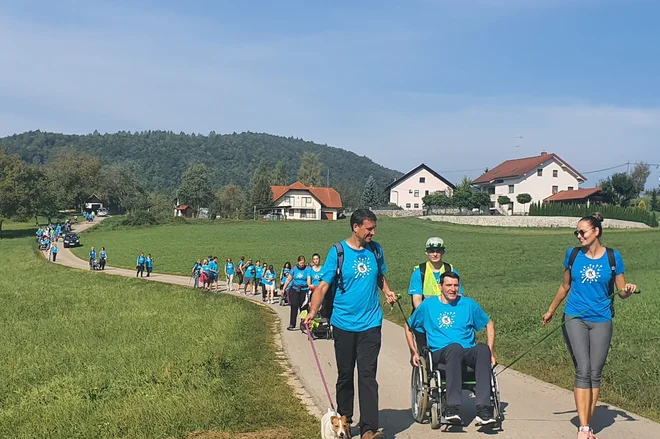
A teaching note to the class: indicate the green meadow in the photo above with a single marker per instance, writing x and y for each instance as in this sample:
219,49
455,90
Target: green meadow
512,273
86,355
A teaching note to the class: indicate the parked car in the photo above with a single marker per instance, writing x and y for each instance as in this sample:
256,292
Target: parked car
71,240
102,212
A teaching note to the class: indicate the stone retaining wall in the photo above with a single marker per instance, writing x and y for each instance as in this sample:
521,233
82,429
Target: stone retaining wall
529,221
399,213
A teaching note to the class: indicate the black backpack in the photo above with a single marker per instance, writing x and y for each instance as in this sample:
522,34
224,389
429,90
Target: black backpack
338,283
612,262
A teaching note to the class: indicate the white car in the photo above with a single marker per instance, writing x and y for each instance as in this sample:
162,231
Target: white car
102,212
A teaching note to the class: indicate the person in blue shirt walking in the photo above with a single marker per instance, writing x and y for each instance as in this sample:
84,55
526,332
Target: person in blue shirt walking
357,317
230,270
588,282
149,262
258,275
140,265
53,251
449,322
104,258
297,280
284,275
197,268
92,257
269,284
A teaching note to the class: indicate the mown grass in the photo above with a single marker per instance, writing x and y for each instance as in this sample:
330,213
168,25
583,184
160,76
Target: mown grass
92,356
513,273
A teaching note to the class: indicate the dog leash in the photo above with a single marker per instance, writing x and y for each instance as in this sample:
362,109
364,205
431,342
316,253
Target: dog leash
519,357
318,365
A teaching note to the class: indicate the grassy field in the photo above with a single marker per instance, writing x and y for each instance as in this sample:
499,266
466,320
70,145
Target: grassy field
93,356
513,273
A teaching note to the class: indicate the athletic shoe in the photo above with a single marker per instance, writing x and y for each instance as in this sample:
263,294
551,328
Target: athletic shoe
372,435
582,434
453,414
591,434
291,328
485,415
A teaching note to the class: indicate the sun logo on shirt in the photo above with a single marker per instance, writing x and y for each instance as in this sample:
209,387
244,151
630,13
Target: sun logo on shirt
362,267
446,320
590,273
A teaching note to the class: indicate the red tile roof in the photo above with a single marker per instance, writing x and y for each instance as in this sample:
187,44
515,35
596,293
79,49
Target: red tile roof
577,194
520,167
182,207
328,197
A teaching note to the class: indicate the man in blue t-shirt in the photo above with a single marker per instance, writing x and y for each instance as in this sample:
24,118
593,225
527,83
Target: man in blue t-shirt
449,322
357,318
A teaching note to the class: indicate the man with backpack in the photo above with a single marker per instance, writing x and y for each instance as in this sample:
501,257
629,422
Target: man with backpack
425,279
353,272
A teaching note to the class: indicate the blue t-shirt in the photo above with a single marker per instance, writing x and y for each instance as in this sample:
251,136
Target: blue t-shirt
299,276
249,271
197,267
205,269
357,307
104,254
316,275
445,323
590,284
40,232
92,254
54,249
269,278
259,271
285,273
150,262
140,260
229,267
213,267
416,287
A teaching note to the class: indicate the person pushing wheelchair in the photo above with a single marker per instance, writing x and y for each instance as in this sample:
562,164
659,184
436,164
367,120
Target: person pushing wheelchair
449,322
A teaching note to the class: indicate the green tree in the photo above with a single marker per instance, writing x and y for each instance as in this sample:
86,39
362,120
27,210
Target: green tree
639,175
74,176
654,203
280,176
196,189
371,194
261,194
524,199
619,188
642,205
120,186
480,199
309,173
503,200
232,201
350,195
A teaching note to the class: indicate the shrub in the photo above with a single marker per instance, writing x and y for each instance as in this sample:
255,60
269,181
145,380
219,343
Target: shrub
609,212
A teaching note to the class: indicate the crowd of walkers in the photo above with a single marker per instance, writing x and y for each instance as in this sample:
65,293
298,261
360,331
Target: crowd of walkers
48,236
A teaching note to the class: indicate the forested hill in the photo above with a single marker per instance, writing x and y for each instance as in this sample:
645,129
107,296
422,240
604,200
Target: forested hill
163,156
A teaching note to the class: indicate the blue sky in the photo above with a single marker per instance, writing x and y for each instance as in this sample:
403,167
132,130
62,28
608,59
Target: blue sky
447,82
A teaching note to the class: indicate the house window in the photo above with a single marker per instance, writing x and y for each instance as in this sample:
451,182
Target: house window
416,194
307,201
510,188
555,189
303,213
426,193
410,191
555,173
491,191
492,205
511,206
407,205
570,188
292,212
499,181
311,213
422,179
539,172
416,205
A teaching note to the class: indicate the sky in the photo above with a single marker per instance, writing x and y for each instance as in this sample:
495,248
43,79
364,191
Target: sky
460,85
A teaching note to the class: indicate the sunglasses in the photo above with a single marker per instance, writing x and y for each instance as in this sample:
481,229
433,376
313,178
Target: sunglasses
435,250
581,232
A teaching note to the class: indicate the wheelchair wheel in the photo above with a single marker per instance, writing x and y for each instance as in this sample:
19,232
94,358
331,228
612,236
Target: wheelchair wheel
419,392
497,412
435,416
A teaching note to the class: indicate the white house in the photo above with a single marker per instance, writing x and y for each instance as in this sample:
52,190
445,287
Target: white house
302,202
407,192
540,176
93,203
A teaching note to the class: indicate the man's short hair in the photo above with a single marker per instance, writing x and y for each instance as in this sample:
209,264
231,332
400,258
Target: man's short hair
449,274
360,216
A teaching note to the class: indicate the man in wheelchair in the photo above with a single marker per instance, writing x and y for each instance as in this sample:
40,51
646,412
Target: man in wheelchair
449,322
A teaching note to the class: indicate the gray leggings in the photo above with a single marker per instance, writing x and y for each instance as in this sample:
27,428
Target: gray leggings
588,343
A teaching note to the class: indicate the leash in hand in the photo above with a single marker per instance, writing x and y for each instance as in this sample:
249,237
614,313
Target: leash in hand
318,365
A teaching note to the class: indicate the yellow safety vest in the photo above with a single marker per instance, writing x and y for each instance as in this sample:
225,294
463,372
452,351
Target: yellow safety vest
431,287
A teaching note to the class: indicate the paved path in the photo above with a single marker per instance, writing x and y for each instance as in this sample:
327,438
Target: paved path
533,408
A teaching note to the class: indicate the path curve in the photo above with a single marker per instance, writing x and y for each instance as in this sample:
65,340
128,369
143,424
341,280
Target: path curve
533,408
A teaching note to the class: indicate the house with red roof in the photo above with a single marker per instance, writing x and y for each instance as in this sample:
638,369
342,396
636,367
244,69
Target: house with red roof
301,202
541,176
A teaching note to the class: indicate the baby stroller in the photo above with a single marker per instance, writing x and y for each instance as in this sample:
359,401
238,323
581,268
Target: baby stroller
95,264
320,326
284,297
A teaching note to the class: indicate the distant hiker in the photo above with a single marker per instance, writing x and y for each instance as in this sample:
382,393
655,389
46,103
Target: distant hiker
229,274
298,292
92,257
104,258
269,283
258,275
53,251
150,264
249,273
240,272
141,260
196,273
286,270
205,274
215,272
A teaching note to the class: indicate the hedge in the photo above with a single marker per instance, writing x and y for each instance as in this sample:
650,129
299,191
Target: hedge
609,212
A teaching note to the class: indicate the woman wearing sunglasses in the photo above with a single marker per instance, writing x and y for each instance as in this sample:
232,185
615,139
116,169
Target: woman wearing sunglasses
588,312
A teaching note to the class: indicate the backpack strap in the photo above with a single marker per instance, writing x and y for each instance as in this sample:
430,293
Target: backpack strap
612,262
422,271
448,268
571,258
374,248
339,279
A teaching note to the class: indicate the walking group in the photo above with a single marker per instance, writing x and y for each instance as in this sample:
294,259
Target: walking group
98,261
444,320
48,236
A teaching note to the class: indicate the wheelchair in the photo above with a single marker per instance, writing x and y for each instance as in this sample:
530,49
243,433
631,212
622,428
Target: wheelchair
429,393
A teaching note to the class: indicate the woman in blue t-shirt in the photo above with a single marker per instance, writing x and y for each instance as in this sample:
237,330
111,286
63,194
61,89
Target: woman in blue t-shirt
229,274
196,273
286,270
588,312
297,279
140,265
269,283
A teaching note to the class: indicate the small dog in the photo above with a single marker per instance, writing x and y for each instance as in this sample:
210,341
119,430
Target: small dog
335,427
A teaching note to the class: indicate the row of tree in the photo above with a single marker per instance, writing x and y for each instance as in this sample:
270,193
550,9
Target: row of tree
608,211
